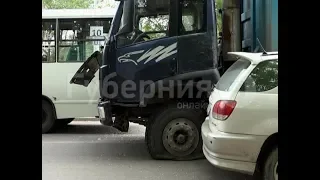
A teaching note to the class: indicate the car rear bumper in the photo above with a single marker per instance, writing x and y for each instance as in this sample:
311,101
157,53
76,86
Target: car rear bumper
234,152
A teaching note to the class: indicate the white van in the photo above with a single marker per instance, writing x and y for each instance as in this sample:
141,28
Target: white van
69,37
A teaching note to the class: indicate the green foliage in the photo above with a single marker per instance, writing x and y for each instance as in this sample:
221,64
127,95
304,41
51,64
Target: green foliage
66,4
219,4
159,23
107,3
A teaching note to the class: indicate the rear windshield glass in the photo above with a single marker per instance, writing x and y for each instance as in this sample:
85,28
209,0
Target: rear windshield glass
231,74
263,77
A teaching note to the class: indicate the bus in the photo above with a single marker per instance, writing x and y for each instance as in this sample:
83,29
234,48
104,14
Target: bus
69,37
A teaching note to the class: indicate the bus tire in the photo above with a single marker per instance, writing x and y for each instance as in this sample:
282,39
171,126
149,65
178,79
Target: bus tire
48,117
173,124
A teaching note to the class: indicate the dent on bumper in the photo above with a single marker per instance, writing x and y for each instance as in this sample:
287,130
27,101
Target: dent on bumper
231,151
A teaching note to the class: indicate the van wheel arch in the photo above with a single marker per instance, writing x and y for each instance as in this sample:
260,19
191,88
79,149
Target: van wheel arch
48,115
51,103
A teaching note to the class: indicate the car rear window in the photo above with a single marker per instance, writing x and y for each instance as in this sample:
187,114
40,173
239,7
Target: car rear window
231,74
263,77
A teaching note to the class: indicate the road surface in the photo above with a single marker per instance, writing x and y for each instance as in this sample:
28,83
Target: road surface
86,150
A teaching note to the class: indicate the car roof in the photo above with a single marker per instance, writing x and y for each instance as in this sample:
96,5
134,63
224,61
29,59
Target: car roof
256,58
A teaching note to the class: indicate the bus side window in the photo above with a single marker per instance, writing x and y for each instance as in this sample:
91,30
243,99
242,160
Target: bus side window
79,38
48,40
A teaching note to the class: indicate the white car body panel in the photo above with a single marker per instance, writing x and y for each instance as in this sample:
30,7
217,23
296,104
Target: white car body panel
235,143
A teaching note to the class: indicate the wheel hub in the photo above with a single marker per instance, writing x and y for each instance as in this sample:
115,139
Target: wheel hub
180,137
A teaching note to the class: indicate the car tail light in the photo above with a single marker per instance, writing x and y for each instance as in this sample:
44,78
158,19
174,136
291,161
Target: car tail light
222,109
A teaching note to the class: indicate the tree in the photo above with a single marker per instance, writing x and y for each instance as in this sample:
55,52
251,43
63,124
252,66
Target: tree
106,3
66,4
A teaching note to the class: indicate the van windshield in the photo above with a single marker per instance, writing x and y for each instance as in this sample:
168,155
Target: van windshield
227,79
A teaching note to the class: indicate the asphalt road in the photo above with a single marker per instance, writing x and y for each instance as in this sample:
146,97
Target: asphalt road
89,151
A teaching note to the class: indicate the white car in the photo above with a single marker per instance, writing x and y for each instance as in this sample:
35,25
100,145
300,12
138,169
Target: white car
240,132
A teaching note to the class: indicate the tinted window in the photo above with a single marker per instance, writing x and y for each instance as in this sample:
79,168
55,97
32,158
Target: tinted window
231,74
264,77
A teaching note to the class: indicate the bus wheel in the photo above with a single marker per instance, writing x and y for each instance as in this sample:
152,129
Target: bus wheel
48,118
175,134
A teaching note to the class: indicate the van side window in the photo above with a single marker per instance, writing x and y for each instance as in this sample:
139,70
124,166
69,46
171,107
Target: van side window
263,77
192,17
79,38
48,40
